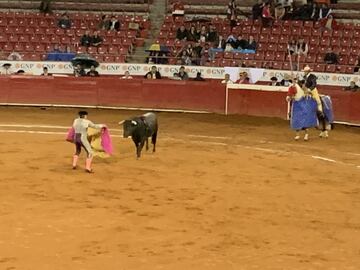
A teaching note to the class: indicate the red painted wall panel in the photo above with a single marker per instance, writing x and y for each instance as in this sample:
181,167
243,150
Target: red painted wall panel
162,94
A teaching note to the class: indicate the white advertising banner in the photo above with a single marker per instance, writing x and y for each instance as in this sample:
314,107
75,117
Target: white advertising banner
65,68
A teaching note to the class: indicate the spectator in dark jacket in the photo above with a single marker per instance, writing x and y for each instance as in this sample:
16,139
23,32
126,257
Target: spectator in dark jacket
331,57
45,6
352,87
96,40
240,43
86,39
182,33
105,23
93,72
274,81
182,74
251,44
192,34
114,24
64,22
79,71
257,10
153,73
212,36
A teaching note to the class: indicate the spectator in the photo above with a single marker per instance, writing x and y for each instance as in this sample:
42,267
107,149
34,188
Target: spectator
86,39
68,49
203,34
228,48
218,46
330,23
56,49
257,10
189,50
251,44
231,39
181,33
114,24
185,58
227,79
331,57
96,40
212,35
244,79
279,12
192,34
14,56
267,18
45,6
302,47
198,77
6,69
154,73
312,9
286,81
240,43
46,72
93,72
64,22
197,53
231,13
357,66
274,81
105,22
352,87
292,48
182,74
324,11
79,71
127,76
148,76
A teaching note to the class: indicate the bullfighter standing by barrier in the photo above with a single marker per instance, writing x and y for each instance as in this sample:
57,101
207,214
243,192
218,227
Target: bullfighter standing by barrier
324,106
302,110
78,134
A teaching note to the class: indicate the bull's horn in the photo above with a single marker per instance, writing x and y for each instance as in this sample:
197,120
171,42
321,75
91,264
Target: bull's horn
121,122
133,122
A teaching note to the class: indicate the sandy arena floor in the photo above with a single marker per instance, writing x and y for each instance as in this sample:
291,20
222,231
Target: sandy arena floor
221,193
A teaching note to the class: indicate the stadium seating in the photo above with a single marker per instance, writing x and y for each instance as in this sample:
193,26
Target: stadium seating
38,33
272,42
82,5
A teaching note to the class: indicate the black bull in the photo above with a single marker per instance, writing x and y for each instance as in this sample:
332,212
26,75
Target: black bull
140,129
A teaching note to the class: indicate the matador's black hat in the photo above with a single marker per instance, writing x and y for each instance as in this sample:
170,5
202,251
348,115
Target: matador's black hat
82,113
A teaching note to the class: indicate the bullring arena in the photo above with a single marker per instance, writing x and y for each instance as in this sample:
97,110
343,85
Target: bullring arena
228,187
221,192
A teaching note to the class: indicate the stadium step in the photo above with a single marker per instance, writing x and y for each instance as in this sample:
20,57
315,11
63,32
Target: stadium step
156,17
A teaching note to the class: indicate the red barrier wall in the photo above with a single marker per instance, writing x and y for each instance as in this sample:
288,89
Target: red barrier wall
346,104
157,94
162,94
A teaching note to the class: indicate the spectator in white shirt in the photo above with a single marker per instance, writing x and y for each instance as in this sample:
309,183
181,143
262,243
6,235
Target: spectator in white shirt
127,76
227,79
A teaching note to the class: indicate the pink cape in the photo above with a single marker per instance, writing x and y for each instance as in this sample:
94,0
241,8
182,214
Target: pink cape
106,142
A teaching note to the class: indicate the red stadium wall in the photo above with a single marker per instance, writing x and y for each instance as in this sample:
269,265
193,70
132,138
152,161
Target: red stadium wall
162,94
138,93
